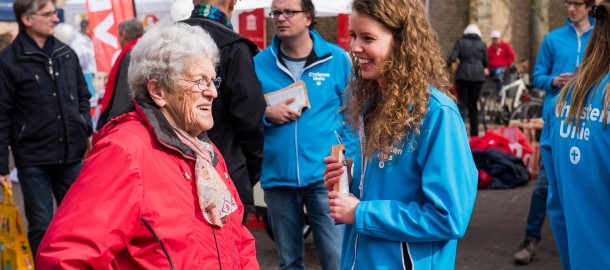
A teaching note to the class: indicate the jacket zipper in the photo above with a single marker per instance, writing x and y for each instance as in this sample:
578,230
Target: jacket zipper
296,122
169,259
217,249
363,164
21,132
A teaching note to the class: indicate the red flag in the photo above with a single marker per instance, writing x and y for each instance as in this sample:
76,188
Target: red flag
104,18
252,26
343,37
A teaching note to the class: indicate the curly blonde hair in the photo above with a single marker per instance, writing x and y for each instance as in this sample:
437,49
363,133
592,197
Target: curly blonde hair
397,111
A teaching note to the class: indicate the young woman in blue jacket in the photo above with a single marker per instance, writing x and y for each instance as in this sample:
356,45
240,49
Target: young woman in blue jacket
414,184
574,147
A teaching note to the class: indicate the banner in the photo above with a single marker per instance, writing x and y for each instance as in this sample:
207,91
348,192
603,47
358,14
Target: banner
252,26
104,18
343,37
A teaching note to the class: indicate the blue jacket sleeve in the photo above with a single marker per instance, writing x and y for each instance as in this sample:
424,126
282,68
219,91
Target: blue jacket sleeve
541,77
554,204
448,183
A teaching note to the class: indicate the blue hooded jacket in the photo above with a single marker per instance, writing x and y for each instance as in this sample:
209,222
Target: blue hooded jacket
416,204
294,152
562,50
576,163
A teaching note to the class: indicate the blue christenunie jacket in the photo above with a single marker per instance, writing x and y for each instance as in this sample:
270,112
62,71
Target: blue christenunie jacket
294,152
562,50
576,163
414,206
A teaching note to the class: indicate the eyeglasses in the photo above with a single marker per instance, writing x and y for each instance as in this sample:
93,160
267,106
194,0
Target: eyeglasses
204,83
287,13
47,14
572,3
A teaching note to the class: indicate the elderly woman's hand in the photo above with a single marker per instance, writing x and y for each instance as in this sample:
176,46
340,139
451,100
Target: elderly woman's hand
281,113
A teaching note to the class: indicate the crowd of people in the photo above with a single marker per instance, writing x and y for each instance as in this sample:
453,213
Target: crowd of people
185,127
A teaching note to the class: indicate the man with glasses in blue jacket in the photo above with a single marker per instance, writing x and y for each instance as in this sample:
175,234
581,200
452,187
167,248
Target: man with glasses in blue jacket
296,141
560,54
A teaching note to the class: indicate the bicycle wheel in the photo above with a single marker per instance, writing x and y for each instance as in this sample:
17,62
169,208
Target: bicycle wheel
494,112
529,110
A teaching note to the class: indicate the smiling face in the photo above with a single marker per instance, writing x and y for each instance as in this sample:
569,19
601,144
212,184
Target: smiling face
188,107
372,45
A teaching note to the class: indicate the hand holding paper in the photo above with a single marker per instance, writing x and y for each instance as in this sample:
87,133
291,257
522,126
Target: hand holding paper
282,112
297,90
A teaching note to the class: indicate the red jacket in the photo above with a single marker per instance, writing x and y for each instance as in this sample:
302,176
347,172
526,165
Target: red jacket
134,206
502,56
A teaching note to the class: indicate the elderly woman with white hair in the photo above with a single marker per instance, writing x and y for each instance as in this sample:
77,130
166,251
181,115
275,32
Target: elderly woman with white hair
154,192
471,72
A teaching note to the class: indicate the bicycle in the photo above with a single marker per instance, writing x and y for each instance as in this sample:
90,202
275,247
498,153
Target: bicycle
499,106
528,110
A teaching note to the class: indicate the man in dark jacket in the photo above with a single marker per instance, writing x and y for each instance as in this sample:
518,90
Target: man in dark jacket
44,113
238,110
116,99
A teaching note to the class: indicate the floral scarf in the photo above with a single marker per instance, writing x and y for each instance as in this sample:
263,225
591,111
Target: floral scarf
215,199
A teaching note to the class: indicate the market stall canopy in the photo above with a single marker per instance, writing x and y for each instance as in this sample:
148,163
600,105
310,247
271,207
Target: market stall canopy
6,11
324,8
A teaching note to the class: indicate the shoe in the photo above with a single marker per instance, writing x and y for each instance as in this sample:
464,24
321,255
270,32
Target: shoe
527,251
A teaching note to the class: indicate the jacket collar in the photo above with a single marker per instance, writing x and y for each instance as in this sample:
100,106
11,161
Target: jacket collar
321,50
24,46
591,21
158,125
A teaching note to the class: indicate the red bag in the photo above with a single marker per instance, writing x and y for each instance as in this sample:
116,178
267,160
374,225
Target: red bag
507,139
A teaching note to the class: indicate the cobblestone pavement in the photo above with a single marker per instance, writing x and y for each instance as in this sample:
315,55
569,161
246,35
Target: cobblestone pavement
494,232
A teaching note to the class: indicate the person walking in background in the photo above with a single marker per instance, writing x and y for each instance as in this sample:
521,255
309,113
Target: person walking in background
470,74
297,141
83,46
577,166
116,99
168,202
560,54
238,110
44,113
501,56
414,186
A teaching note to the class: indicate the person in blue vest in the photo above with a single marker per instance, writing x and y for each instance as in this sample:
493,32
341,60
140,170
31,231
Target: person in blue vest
574,148
296,141
560,55
414,187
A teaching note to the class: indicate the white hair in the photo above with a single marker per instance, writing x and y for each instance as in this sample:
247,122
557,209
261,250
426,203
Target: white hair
163,54
472,29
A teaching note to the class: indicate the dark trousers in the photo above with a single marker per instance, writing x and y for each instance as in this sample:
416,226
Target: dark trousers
39,184
468,96
537,212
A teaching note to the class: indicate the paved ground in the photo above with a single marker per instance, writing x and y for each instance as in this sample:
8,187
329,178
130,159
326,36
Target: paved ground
495,231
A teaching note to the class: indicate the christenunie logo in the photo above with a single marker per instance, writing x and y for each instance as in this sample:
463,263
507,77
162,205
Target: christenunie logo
319,77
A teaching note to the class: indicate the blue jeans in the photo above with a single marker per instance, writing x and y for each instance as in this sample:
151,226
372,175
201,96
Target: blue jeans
285,212
39,184
537,213
498,76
